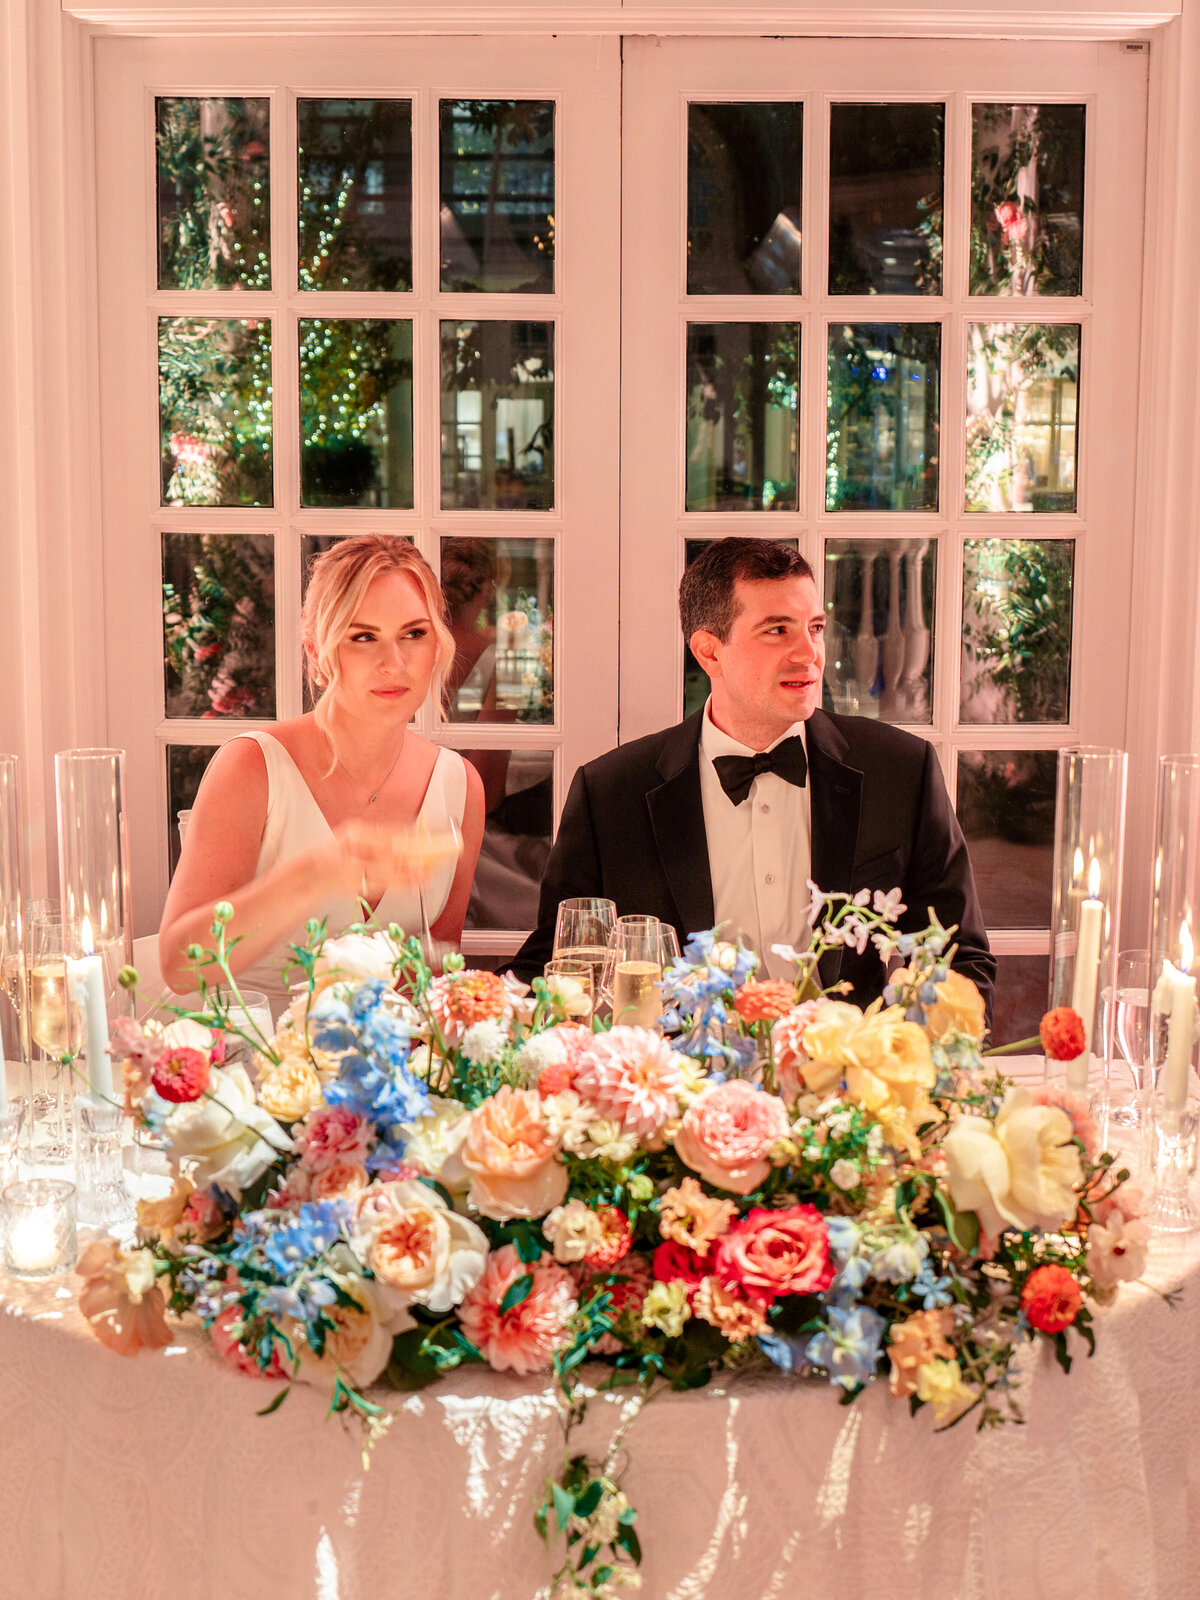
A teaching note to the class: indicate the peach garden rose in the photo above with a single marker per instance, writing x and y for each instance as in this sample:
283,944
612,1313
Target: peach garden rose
418,1249
512,1157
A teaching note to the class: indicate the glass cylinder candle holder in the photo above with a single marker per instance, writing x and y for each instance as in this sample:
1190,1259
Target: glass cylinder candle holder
1169,1164
1089,842
16,1089
99,1170
39,1228
1175,929
93,860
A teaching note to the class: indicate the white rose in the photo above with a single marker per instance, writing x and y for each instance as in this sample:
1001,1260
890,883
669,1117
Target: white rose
418,1249
1020,1171
232,1143
574,1231
432,1144
187,1034
358,956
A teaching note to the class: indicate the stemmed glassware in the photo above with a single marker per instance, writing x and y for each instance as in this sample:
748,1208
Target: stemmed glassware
581,933
54,1030
631,980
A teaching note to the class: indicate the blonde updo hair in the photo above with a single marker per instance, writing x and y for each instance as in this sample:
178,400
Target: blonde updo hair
338,579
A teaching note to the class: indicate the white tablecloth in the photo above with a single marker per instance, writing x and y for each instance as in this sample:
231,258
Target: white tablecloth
152,1477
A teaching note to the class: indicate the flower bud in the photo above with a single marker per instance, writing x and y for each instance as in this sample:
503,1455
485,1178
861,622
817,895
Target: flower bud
128,978
222,912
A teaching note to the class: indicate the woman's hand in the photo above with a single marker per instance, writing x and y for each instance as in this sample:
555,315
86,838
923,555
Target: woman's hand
364,859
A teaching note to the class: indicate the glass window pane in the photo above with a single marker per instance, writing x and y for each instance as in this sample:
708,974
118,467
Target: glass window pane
1006,808
356,413
1017,602
883,423
744,181
1022,990
219,624
518,795
214,411
1027,199
879,598
695,679
497,210
214,195
498,416
743,416
500,600
186,765
1022,387
885,198
354,174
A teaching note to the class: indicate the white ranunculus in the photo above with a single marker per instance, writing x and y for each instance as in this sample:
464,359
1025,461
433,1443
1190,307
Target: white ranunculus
418,1249
432,1144
186,1033
226,1133
356,956
1020,1171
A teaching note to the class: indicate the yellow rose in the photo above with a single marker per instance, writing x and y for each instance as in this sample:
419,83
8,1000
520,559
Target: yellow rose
290,1091
827,1044
939,1384
959,1007
890,1073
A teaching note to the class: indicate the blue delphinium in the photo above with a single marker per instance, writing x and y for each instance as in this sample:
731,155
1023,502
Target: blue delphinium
314,1228
933,1292
848,1346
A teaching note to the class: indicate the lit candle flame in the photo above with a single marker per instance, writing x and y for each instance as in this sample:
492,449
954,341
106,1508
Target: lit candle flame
1186,952
86,937
1094,879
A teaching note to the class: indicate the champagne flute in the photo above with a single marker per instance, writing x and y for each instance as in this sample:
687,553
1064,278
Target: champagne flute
54,1027
632,976
582,930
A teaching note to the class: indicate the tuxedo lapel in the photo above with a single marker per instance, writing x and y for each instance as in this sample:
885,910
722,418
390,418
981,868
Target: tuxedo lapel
677,821
835,799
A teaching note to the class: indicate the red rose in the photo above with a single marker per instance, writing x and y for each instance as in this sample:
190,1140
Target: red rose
1063,1035
180,1074
672,1260
1050,1299
776,1252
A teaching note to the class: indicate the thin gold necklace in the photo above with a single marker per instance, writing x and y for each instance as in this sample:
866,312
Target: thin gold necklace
379,787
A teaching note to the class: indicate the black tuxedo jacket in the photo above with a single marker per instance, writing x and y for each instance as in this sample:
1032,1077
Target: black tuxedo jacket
633,830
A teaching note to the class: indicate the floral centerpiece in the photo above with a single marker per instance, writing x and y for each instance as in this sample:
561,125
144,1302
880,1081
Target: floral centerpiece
429,1170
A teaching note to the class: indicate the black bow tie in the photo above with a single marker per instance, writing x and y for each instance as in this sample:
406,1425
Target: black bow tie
737,773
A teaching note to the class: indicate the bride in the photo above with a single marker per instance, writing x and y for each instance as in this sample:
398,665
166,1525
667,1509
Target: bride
316,818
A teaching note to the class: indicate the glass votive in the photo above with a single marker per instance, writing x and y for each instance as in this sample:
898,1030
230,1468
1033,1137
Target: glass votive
1169,1163
11,1120
571,985
99,1162
39,1228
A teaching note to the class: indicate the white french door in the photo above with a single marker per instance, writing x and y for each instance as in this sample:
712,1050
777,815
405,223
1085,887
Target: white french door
881,299
351,286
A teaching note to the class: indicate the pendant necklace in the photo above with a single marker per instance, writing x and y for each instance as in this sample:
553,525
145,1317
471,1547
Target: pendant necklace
379,787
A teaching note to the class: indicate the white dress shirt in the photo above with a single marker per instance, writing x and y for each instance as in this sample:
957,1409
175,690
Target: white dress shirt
759,853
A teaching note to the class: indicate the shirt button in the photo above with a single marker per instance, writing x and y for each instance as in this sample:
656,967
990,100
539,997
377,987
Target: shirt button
770,878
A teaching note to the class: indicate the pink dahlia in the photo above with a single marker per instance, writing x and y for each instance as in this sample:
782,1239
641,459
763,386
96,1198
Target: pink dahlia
330,1134
460,999
180,1074
524,1338
632,1075
727,1134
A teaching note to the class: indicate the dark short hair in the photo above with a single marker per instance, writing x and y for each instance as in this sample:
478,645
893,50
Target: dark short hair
706,598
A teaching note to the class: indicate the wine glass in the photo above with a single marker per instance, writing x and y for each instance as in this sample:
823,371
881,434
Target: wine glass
632,977
582,930
572,984
1126,1012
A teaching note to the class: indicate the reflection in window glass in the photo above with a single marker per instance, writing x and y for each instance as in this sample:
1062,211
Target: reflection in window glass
518,797
885,198
882,425
1006,808
878,643
354,172
695,679
744,179
498,416
356,413
1017,602
219,624
1027,199
743,402
186,765
214,410
497,210
1022,384
1022,991
214,198
500,604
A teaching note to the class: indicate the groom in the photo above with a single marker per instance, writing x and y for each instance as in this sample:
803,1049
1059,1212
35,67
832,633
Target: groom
726,817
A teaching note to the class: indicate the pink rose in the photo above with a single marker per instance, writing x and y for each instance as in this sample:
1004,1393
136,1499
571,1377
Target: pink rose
1014,222
787,1044
332,1133
727,1133
512,1157
632,1075
776,1253
235,1352
524,1338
